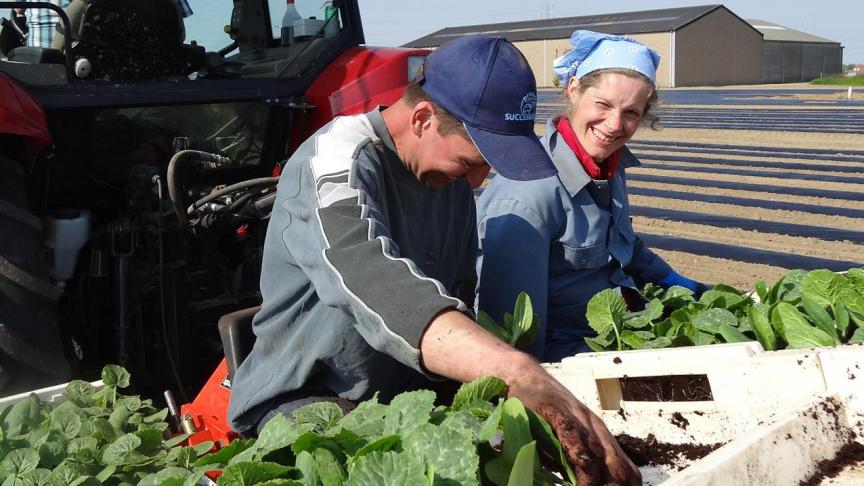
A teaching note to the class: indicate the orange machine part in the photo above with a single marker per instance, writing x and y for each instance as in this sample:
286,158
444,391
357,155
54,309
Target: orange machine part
209,410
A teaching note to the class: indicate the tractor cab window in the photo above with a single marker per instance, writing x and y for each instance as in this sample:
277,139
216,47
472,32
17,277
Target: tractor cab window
295,21
147,134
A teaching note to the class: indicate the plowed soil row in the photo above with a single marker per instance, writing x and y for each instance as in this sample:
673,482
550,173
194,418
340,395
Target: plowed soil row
696,158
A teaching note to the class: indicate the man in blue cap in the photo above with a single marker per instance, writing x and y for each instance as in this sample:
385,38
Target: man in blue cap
369,261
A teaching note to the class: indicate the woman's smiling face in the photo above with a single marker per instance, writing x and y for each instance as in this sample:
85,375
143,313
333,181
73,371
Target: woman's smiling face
605,116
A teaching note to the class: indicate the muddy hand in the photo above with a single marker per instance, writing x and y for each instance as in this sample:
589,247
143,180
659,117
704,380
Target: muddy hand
590,447
594,454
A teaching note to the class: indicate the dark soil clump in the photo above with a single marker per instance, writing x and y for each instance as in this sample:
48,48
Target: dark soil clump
679,421
851,453
650,452
675,388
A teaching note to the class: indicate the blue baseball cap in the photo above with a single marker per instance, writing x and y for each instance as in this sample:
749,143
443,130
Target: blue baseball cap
486,83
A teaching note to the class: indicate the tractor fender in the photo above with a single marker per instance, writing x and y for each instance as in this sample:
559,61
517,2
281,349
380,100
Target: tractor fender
21,115
357,81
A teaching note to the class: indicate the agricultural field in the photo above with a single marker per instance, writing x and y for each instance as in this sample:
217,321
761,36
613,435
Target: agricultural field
742,185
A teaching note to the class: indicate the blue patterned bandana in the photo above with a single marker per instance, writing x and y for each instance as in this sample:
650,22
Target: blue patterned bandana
593,50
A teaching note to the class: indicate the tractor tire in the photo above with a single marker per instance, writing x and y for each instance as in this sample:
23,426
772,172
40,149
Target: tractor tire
30,345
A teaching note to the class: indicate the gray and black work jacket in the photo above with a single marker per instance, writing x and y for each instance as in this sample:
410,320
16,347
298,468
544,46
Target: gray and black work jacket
358,259
561,239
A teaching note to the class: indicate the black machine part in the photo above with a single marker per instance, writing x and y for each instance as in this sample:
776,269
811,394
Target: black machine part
28,299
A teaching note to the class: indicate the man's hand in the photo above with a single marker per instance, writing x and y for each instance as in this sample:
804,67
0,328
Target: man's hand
456,347
594,454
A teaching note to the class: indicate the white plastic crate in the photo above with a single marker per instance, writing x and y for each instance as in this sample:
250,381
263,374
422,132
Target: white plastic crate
48,394
785,451
754,394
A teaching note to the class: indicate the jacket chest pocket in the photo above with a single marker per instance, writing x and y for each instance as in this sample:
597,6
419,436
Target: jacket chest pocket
592,256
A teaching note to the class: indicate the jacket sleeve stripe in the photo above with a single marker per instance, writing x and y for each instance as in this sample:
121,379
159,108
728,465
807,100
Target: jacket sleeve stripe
401,300
337,178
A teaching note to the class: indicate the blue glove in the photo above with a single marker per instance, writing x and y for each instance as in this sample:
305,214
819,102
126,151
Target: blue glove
674,278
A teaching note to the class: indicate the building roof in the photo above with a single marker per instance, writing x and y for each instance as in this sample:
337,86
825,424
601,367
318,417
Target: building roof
774,32
642,22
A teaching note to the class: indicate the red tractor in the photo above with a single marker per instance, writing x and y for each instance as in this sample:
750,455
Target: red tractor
137,175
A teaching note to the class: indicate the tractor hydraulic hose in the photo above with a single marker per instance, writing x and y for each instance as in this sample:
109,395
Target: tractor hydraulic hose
162,317
261,181
260,208
211,161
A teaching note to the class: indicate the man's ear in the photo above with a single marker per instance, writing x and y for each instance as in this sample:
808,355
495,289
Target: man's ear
421,117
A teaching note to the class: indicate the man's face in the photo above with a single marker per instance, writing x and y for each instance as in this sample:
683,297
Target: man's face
442,159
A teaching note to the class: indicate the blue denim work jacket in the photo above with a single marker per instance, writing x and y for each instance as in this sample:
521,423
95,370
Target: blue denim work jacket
552,239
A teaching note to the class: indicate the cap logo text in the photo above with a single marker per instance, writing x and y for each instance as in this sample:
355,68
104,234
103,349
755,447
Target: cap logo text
528,109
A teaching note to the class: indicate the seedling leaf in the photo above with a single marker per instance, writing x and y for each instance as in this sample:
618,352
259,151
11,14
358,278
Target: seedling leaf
321,415
408,411
482,389
247,473
820,286
115,376
19,461
388,468
820,317
452,454
854,303
841,316
497,330
762,328
523,467
732,335
517,431
799,333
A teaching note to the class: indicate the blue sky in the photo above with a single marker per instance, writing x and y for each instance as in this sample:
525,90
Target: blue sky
395,22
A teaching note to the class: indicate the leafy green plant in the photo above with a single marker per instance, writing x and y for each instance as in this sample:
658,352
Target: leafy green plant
801,310
409,441
103,437
517,329
95,436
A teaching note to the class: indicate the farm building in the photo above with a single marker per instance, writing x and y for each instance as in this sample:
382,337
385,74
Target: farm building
791,56
704,45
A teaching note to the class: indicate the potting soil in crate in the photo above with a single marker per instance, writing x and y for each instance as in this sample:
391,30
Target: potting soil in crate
725,414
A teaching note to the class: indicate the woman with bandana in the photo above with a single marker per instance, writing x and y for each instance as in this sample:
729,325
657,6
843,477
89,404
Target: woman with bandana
564,238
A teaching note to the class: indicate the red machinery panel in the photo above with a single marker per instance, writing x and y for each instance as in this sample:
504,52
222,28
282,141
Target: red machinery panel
359,80
21,115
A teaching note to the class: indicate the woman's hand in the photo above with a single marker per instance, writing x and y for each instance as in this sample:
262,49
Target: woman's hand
674,278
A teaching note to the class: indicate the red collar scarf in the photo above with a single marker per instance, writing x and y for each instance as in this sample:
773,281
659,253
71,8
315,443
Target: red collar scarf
601,172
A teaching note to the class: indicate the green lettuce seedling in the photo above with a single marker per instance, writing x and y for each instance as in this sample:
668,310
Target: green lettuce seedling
800,310
517,329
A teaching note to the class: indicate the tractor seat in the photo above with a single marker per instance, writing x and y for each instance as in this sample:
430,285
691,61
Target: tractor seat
36,55
235,330
124,40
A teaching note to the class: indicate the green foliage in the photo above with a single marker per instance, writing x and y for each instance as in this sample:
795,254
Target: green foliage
606,315
408,442
101,436
840,80
517,329
480,390
801,310
95,436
